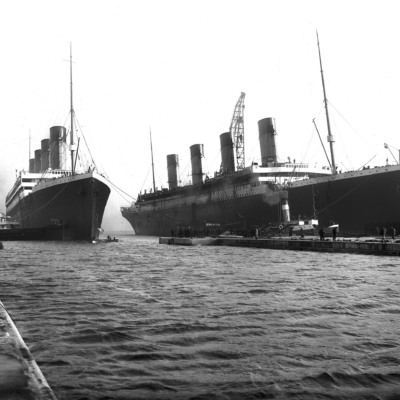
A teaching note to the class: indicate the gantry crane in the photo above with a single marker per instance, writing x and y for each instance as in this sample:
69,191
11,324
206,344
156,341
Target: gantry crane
237,131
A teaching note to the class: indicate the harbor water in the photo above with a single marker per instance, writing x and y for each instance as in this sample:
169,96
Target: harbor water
140,320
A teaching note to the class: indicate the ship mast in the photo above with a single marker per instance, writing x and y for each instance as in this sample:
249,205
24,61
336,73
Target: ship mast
29,146
72,146
331,140
152,163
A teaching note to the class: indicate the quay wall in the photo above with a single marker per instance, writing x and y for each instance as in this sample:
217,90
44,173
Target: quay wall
343,246
20,376
354,246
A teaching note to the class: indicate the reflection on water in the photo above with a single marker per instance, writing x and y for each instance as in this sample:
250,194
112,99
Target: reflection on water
136,319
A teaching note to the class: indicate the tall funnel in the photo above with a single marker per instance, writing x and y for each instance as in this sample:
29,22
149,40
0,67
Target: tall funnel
38,163
267,137
45,154
173,170
196,154
227,155
57,147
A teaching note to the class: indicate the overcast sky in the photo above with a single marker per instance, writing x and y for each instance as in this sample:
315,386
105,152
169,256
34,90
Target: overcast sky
179,67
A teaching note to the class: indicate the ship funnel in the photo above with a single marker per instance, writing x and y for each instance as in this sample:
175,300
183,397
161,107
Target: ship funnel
58,147
45,154
173,170
196,154
38,162
267,136
285,211
31,165
227,155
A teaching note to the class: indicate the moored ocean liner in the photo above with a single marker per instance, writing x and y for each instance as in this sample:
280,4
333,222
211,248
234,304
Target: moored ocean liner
234,199
240,198
57,199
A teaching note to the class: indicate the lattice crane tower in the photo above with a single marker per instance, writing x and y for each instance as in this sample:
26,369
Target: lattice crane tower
237,131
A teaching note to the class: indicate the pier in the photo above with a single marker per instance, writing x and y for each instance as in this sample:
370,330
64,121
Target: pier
188,241
20,376
351,245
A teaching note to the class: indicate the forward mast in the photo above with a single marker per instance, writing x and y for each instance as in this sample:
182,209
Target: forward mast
331,139
72,144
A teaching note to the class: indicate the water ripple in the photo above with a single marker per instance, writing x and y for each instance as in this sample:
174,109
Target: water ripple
137,320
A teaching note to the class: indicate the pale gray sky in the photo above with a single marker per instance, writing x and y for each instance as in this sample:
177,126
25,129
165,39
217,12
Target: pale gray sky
179,66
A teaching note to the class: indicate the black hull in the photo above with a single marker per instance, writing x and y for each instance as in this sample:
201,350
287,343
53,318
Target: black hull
234,215
196,208
361,202
68,208
52,232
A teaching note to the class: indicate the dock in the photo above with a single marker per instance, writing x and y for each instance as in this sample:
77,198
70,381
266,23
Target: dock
370,246
20,376
188,241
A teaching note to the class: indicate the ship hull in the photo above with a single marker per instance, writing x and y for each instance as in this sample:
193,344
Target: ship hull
207,209
67,208
361,202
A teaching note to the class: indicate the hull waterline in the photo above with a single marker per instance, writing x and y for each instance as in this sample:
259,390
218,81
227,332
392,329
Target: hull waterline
66,208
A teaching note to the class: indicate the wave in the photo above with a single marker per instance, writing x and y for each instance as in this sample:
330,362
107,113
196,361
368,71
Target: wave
143,321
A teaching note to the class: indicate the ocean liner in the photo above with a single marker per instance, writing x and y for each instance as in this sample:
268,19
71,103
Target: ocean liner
234,199
57,199
240,198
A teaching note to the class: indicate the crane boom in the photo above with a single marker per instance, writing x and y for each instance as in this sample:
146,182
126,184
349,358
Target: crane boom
237,131
388,147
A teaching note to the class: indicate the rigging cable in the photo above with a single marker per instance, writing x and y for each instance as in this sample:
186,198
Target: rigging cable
145,179
80,129
362,166
119,190
84,138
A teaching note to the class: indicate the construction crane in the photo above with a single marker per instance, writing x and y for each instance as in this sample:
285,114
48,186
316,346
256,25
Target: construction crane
388,147
237,131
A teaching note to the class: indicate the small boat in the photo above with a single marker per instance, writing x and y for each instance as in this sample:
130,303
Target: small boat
303,227
107,240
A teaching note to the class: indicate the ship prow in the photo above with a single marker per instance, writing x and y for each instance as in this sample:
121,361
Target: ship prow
58,198
67,207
